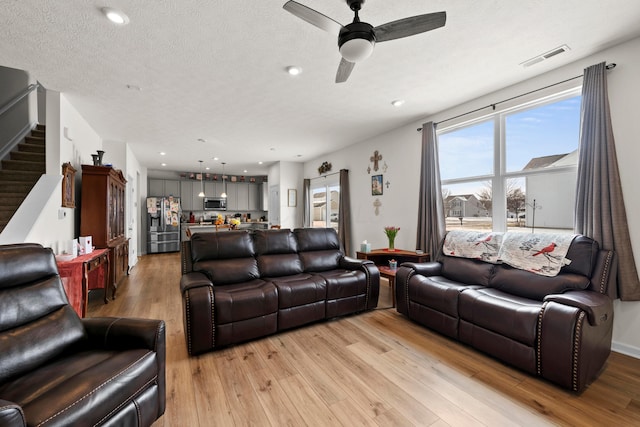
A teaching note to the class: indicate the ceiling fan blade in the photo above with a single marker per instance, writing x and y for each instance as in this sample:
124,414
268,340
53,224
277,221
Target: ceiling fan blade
312,17
409,26
344,70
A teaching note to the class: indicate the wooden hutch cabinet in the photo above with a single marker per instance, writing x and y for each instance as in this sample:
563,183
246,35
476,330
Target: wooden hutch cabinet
102,216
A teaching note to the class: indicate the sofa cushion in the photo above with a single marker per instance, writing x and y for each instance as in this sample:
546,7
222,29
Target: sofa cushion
277,253
466,271
500,312
208,246
319,248
228,271
436,292
84,388
483,246
344,283
529,285
243,301
300,289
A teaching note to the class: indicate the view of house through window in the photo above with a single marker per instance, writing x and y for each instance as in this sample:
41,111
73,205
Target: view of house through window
324,210
515,170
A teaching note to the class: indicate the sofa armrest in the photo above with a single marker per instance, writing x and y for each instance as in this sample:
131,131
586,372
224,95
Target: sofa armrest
11,415
424,268
349,263
125,333
193,280
599,308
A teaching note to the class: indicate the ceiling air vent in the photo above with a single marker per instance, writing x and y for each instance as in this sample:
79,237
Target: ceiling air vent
545,55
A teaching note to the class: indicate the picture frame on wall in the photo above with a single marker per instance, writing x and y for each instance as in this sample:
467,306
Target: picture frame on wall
68,186
376,185
292,197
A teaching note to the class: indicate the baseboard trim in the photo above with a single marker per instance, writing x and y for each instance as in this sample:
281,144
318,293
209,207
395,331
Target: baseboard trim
628,350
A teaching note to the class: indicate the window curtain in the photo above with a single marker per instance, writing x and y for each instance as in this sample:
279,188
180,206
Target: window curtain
306,203
344,213
431,221
600,211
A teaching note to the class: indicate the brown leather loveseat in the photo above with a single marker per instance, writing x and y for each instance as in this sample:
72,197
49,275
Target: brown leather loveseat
59,370
237,286
558,327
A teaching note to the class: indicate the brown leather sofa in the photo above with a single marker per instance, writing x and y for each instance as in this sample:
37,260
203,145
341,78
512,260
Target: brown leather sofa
59,370
237,286
558,328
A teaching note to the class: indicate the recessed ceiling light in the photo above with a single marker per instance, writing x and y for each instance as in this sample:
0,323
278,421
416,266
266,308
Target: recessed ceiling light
397,102
259,163
245,171
162,153
163,164
215,158
207,168
294,71
116,16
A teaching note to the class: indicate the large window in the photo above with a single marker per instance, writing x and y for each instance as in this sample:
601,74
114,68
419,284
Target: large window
325,202
515,170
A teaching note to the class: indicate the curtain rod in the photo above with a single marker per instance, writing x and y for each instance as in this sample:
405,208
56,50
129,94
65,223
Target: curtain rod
324,176
608,67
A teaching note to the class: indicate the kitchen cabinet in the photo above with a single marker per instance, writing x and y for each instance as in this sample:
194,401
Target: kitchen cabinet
163,188
255,192
186,196
102,216
242,196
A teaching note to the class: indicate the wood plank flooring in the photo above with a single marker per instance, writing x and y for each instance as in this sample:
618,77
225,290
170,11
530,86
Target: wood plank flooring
371,369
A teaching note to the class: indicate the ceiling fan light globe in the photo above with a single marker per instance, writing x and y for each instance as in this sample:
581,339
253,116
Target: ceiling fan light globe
356,50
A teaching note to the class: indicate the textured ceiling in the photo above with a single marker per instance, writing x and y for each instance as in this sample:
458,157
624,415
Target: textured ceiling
215,70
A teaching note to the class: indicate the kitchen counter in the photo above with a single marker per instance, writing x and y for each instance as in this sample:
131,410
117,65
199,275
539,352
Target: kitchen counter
210,228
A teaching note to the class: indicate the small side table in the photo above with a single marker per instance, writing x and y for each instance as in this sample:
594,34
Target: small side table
82,274
390,275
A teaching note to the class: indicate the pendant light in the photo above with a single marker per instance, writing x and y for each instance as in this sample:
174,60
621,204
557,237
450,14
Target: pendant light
224,184
201,184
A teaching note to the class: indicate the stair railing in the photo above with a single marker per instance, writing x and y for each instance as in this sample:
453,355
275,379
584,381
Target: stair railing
19,97
7,146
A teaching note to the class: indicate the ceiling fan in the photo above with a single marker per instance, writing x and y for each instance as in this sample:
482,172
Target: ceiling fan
356,40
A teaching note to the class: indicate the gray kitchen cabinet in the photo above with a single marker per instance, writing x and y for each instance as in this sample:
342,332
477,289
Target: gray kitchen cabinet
156,188
186,196
242,195
232,196
163,188
255,192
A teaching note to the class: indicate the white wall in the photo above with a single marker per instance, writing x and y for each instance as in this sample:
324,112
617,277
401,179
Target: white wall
291,178
401,151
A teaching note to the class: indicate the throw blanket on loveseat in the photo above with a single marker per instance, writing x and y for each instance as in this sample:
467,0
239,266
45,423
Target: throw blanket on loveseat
542,254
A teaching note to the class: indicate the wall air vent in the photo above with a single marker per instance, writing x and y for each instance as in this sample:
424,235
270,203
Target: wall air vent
546,55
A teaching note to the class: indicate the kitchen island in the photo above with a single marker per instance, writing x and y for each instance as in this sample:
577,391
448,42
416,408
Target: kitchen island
211,228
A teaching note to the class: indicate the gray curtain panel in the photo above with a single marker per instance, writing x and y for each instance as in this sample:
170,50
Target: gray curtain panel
600,211
344,213
431,221
306,203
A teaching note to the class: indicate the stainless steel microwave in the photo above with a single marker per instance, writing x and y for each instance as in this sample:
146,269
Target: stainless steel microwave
215,204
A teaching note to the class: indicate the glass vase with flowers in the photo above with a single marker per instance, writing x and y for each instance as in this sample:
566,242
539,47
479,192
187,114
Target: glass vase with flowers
391,232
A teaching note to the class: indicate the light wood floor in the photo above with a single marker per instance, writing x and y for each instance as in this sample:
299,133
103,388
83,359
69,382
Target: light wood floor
376,369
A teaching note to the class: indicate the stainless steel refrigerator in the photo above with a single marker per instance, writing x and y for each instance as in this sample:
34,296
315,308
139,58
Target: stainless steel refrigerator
163,222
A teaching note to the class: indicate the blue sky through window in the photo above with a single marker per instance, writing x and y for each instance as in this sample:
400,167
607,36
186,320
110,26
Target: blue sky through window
546,130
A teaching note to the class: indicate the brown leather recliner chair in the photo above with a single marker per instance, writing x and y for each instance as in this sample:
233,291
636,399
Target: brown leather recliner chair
59,370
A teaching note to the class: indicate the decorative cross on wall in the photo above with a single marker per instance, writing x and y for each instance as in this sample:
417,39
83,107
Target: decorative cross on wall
376,204
375,159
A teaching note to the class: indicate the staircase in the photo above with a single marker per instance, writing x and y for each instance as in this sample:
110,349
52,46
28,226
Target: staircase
20,173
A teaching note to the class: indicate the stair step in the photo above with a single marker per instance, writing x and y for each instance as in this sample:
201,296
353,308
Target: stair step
28,156
34,140
40,127
23,165
33,148
15,187
37,133
21,176
12,198
6,216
